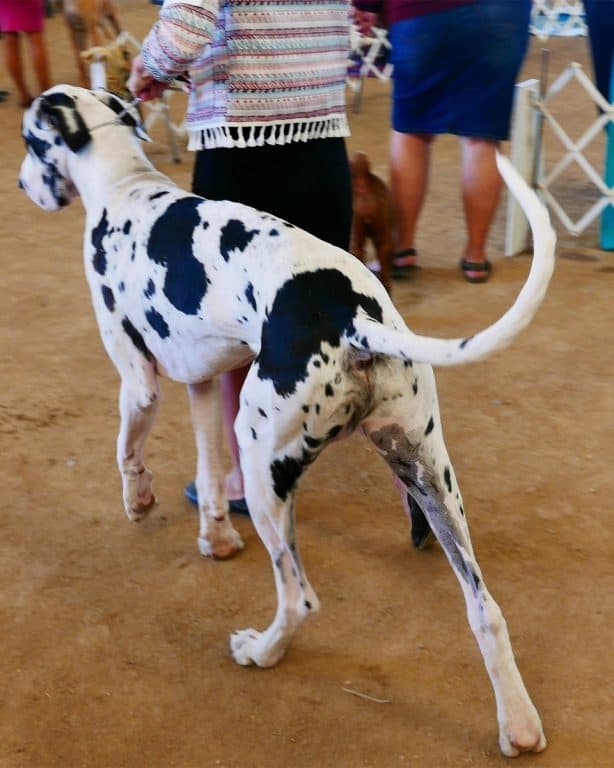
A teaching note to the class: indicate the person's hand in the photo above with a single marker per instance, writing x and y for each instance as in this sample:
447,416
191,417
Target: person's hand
142,84
365,21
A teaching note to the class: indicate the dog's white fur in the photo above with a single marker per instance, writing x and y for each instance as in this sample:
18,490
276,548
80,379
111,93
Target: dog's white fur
189,288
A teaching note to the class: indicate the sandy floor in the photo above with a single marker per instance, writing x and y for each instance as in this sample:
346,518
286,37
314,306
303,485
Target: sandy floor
114,637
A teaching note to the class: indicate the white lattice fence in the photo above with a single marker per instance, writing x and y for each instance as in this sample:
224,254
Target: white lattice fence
529,157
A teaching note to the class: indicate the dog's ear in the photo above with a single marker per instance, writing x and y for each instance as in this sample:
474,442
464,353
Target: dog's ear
127,113
60,111
360,164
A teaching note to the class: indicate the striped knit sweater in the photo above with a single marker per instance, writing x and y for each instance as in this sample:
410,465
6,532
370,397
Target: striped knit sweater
273,69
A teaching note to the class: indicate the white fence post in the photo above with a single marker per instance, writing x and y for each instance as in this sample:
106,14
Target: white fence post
523,153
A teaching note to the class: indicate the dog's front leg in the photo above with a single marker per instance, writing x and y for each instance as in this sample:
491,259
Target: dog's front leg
217,538
137,416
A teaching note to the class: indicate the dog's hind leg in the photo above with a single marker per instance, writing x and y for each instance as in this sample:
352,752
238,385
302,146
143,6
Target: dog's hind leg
216,537
418,456
137,413
272,461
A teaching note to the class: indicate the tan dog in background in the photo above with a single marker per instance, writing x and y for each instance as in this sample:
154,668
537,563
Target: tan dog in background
373,216
90,23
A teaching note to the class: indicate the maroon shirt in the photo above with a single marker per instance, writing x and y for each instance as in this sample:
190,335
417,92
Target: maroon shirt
398,10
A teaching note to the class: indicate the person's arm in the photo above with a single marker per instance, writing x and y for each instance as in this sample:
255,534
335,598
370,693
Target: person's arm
183,30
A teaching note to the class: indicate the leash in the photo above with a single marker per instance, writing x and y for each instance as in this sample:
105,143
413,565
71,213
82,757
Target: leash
118,116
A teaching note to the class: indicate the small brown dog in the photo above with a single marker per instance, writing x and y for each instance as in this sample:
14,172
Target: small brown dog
89,23
373,216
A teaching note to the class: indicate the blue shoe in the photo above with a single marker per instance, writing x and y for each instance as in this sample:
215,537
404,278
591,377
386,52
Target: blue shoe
238,506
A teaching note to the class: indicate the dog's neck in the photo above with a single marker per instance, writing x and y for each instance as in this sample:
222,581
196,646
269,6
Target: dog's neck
113,154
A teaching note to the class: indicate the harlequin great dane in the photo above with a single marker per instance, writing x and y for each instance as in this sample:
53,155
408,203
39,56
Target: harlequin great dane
188,288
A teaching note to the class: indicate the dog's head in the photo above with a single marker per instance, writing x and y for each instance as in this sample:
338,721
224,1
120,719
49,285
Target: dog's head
59,124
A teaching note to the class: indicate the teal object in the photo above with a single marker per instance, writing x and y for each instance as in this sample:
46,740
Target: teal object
607,218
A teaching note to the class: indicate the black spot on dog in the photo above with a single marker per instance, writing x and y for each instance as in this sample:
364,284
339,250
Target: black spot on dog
429,426
99,232
127,227
61,112
305,408
262,413
328,390
309,309
171,245
334,431
158,195
325,358
254,435
285,474
121,287
205,225
274,233
312,442
249,295
464,342
317,364
235,237
108,297
150,290
136,338
39,146
461,510
158,323
414,386
133,252
447,479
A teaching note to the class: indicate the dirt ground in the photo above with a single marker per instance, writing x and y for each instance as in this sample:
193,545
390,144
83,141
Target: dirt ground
114,637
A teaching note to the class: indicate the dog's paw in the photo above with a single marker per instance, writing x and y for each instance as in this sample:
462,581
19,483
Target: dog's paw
141,507
139,499
221,547
526,736
249,647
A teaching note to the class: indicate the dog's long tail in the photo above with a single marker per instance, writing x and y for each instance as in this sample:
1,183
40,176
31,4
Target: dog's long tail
375,337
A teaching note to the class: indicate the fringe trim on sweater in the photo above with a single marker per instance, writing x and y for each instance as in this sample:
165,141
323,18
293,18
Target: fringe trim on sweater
239,136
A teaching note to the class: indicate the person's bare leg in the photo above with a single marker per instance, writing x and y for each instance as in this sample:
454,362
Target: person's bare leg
12,54
409,171
230,387
481,188
40,60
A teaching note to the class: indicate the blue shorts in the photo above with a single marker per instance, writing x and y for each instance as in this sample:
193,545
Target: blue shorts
455,70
